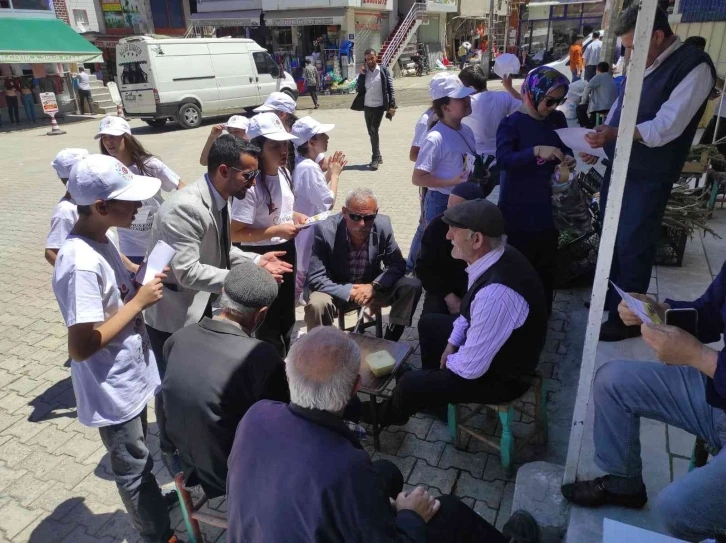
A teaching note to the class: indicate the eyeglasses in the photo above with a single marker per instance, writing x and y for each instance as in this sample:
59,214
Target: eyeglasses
549,102
358,217
248,176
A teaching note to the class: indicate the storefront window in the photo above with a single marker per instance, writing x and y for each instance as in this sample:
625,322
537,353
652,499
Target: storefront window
282,38
561,34
589,10
558,12
168,14
42,5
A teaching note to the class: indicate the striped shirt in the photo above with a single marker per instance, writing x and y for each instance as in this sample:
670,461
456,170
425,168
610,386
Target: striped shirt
495,312
357,260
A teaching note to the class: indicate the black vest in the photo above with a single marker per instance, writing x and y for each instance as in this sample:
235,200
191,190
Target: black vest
520,353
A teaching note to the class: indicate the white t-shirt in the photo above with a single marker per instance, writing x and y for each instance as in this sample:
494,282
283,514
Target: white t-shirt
312,196
446,152
488,108
422,125
261,209
84,81
64,217
135,239
91,285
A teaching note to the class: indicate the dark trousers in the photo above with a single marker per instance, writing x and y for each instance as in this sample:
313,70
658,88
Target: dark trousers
157,338
313,90
590,71
434,303
540,248
132,467
586,120
707,136
280,320
374,116
454,522
85,95
433,387
13,110
29,106
639,230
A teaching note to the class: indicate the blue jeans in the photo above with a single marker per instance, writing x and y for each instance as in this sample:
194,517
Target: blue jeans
29,106
434,204
575,75
132,466
694,506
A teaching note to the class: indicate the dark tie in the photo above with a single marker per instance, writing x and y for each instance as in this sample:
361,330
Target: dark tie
225,237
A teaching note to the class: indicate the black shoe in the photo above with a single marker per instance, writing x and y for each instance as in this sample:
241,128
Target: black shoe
594,494
171,498
521,528
612,330
394,332
379,160
373,165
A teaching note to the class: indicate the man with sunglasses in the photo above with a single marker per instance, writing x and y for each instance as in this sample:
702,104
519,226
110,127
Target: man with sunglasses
356,261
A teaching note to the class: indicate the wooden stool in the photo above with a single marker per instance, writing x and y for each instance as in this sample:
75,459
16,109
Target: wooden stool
505,411
192,515
349,308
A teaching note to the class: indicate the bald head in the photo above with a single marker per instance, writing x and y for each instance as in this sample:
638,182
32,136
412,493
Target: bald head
322,369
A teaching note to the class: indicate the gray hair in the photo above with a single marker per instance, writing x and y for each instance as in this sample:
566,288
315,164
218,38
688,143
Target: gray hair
360,195
494,242
322,367
228,304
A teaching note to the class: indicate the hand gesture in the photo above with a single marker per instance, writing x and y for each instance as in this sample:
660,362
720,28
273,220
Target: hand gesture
450,349
272,263
361,294
459,178
216,131
507,82
570,162
363,69
287,230
453,303
626,314
672,345
337,162
419,501
588,159
601,135
547,152
151,292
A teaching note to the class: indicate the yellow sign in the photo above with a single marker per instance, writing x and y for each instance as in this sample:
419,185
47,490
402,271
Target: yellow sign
110,5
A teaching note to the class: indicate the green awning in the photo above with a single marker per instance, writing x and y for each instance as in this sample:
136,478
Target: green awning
43,40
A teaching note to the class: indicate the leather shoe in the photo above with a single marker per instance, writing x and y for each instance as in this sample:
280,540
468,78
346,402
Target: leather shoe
617,331
594,494
521,528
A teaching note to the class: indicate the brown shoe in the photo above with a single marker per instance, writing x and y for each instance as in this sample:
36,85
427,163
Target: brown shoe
594,494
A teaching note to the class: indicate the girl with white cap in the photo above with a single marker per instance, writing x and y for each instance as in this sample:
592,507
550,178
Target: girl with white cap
236,125
265,220
314,189
117,141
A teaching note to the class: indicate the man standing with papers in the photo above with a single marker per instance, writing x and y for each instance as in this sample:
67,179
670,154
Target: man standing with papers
678,79
195,223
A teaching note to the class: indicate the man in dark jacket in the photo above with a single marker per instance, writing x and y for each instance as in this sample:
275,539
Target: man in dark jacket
215,372
443,277
375,98
355,260
298,474
687,390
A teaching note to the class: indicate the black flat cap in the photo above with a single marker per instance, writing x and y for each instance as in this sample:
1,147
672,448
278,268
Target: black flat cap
476,215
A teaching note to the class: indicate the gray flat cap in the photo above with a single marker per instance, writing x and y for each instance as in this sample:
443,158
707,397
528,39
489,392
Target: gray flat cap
476,215
251,286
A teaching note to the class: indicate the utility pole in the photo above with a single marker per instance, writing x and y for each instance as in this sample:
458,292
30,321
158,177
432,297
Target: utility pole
490,33
609,17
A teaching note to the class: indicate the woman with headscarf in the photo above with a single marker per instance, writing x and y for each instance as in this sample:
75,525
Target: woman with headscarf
528,152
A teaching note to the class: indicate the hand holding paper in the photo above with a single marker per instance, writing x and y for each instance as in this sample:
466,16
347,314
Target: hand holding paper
645,311
574,138
156,262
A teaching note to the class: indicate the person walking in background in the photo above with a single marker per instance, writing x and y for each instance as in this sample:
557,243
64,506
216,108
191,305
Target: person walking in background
576,61
375,98
528,151
28,102
84,90
11,97
591,56
312,81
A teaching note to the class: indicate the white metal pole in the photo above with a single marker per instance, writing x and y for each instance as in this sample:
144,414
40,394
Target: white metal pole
629,110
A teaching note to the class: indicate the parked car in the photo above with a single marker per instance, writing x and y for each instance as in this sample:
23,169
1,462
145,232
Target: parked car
563,65
186,79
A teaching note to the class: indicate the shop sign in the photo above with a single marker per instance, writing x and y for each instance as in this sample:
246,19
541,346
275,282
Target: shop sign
306,21
110,5
49,103
380,4
124,14
106,44
227,23
368,22
444,2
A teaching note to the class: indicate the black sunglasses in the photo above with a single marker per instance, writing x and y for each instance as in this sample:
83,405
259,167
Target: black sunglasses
358,217
549,102
248,176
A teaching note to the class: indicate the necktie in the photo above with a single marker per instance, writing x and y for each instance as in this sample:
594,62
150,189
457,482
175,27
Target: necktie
225,237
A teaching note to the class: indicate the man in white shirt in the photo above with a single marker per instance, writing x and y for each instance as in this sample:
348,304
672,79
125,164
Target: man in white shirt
375,98
591,56
84,90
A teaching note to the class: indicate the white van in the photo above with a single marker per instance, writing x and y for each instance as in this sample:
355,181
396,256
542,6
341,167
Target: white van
185,78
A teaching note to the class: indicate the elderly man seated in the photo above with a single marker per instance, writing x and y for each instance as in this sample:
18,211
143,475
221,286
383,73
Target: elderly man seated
355,258
215,372
297,472
481,355
443,277
688,390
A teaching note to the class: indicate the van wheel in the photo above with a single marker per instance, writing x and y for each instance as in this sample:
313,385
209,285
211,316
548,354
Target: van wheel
155,123
190,116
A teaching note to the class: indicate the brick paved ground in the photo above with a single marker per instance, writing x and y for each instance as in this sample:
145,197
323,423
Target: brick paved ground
55,483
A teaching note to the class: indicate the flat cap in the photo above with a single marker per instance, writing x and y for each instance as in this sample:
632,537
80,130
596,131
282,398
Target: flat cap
478,216
249,285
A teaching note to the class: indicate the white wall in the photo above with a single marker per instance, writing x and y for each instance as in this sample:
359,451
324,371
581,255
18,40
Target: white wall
90,9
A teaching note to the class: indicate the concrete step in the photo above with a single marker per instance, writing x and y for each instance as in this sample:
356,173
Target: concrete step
105,104
106,110
96,84
101,96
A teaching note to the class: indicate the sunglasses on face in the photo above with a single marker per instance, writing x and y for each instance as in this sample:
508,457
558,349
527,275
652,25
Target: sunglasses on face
248,176
358,217
549,102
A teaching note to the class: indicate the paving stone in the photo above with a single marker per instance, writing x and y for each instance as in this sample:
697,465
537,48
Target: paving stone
44,529
16,518
91,514
13,452
69,472
24,429
9,477
505,508
390,441
680,466
423,474
416,426
472,462
81,448
412,446
24,384
404,464
486,512
490,492
51,438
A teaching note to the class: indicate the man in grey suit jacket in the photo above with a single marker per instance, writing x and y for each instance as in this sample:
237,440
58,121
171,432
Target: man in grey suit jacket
355,259
195,222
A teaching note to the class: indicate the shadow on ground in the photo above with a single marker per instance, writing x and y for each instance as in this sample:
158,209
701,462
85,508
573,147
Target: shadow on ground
55,402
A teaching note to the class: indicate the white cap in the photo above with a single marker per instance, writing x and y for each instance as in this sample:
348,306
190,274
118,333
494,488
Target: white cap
238,121
66,159
277,101
432,83
450,87
268,125
102,177
306,128
113,126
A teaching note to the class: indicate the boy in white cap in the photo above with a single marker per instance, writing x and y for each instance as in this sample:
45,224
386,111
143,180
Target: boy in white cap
282,105
314,189
113,368
64,215
236,125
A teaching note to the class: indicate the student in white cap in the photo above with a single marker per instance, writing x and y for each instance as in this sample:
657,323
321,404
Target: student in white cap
315,190
266,221
447,152
236,125
281,105
117,141
64,215
113,368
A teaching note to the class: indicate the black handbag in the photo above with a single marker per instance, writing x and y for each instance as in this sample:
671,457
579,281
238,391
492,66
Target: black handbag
480,174
358,101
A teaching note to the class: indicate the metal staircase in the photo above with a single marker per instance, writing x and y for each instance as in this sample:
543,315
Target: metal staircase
401,35
197,31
